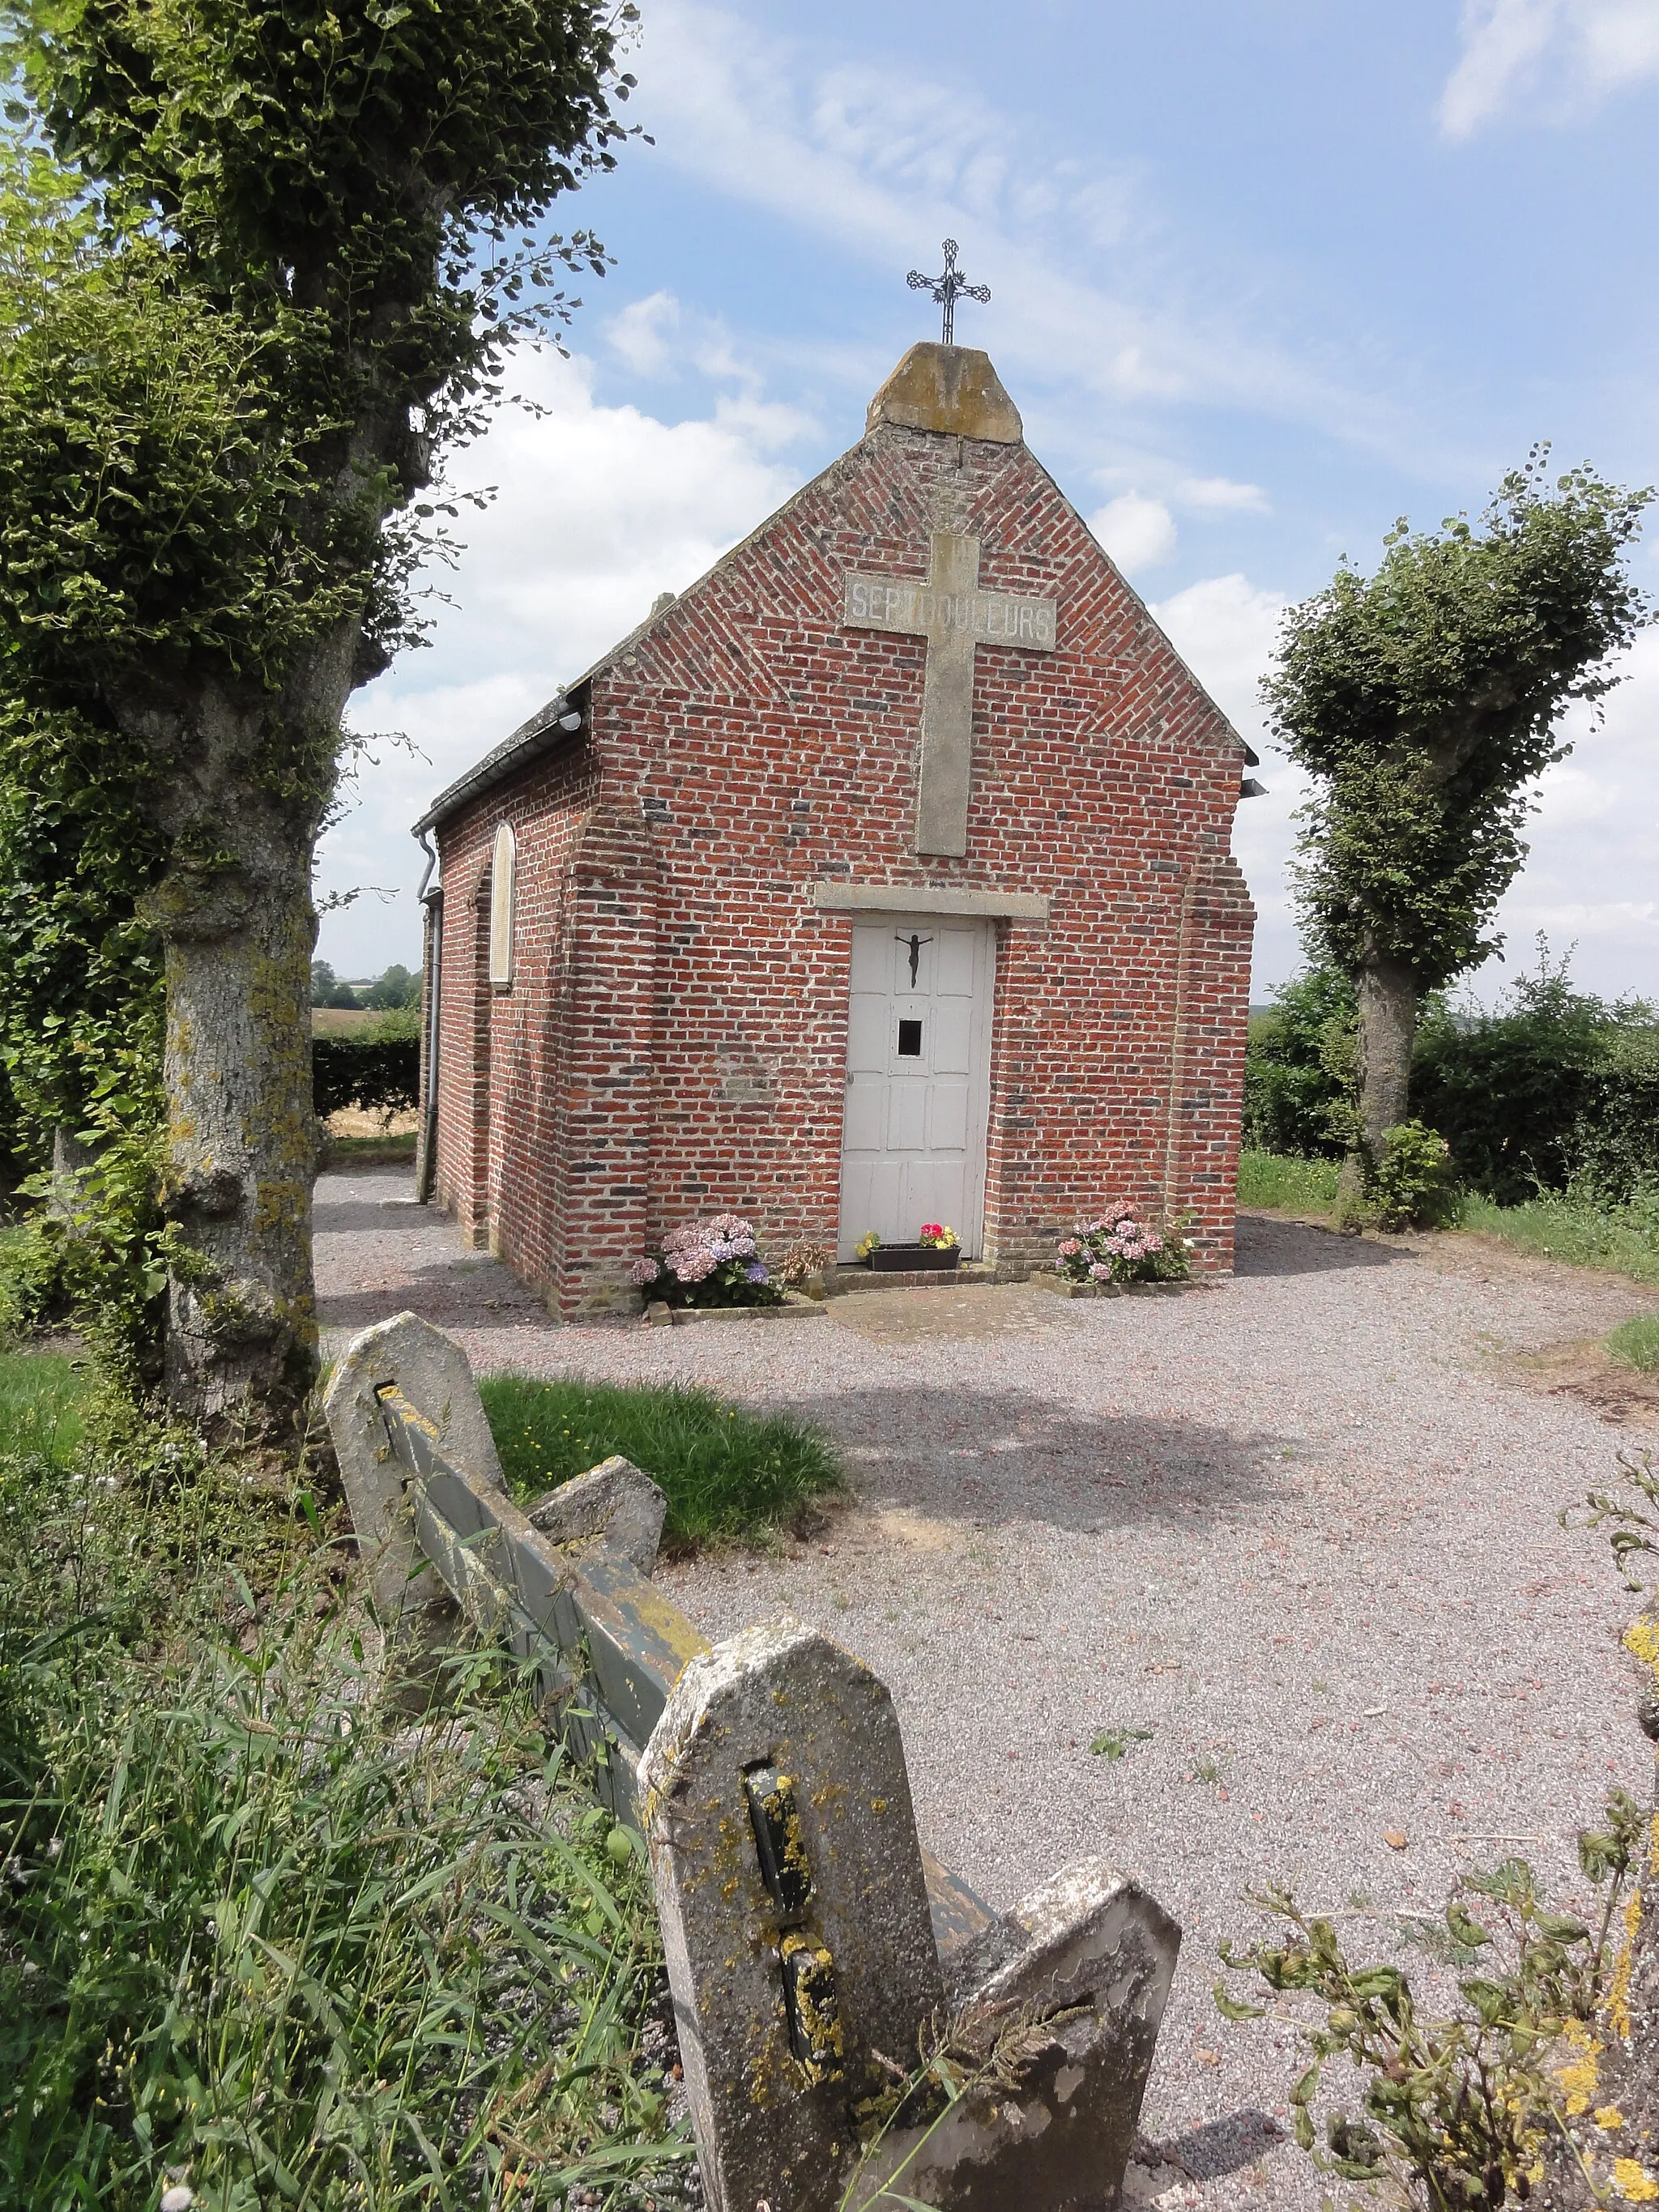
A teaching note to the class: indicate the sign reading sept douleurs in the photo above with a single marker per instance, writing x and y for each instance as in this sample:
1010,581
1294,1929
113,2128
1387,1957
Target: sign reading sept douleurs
954,616
922,610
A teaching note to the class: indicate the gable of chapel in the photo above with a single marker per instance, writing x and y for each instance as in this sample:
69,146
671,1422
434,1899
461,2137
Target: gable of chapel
749,785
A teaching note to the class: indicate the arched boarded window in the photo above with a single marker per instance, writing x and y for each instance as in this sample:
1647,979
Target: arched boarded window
503,889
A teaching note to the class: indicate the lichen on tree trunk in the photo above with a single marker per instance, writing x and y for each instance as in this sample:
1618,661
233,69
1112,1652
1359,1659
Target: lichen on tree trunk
241,1341
242,1338
236,920
1389,995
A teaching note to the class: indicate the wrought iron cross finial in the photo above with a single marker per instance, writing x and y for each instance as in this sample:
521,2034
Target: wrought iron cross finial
949,288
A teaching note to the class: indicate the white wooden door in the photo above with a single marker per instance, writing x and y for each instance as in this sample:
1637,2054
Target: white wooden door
918,1079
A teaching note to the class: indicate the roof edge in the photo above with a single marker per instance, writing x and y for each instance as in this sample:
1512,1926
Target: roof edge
540,734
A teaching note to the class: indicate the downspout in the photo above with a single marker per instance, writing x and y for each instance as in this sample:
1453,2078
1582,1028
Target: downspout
433,901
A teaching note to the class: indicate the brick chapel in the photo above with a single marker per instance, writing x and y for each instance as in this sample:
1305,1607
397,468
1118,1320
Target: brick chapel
882,877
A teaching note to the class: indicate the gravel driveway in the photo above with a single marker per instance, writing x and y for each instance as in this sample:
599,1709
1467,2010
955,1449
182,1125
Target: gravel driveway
1301,1526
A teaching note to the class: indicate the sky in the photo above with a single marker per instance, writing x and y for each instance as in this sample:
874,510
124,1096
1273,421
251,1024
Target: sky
1266,275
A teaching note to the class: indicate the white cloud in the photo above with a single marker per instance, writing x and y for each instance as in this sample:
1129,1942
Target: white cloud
600,509
1594,843
658,336
1577,51
1210,493
880,162
1137,531
1594,839
1225,628
640,335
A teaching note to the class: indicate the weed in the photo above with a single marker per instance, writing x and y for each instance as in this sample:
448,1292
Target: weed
367,1151
1412,1186
1457,2109
1436,1939
1118,1742
1580,1227
728,1473
258,1928
40,1402
1637,1343
1205,1770
1287,1185
1578,1230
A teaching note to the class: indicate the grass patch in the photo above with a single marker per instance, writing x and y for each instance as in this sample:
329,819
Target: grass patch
40,1397
728,1473
347,1151
1624,1239
1574,1227
1637,1343
261,1935
1287,1185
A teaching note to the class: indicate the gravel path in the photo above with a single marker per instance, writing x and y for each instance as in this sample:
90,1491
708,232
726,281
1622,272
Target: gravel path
1301,1526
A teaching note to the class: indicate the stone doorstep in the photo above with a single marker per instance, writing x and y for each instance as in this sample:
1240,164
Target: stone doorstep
852,1281
795,1307
1041,1280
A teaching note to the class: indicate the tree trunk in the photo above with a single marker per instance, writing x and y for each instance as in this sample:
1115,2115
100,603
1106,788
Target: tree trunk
235,917
241,1344
1390,994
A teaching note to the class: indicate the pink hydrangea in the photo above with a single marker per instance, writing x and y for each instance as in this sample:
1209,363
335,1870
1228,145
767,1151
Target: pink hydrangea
694,1251
1069,1248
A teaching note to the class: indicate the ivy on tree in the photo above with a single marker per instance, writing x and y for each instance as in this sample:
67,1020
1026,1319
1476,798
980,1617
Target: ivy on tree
1424,700
259,268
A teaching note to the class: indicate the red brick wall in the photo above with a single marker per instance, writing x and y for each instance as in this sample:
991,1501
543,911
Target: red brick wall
501,1055
675,1040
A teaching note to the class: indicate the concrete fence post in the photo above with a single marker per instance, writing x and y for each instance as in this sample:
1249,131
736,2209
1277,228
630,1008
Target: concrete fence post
857,2028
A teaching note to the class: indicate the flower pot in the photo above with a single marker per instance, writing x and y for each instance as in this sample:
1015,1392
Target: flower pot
914,1258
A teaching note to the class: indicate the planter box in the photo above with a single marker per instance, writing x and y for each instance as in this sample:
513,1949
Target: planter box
915,1259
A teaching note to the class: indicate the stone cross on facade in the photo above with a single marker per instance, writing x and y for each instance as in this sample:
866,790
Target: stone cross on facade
955,617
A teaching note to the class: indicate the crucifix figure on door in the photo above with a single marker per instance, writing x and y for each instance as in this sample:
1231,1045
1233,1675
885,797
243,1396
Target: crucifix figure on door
913,946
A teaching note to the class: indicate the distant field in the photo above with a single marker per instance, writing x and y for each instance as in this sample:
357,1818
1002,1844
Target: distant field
341,1021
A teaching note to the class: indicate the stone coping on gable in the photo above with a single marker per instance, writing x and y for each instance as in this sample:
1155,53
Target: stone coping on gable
930,898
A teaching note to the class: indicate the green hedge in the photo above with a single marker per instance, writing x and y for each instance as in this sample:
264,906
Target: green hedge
380,1075
1558,1091
1556,1087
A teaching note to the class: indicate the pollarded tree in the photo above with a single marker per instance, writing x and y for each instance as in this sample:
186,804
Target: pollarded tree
1424,700
258,266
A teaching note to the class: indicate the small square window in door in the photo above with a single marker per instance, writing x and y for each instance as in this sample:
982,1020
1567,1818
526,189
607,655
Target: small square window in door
909,1040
